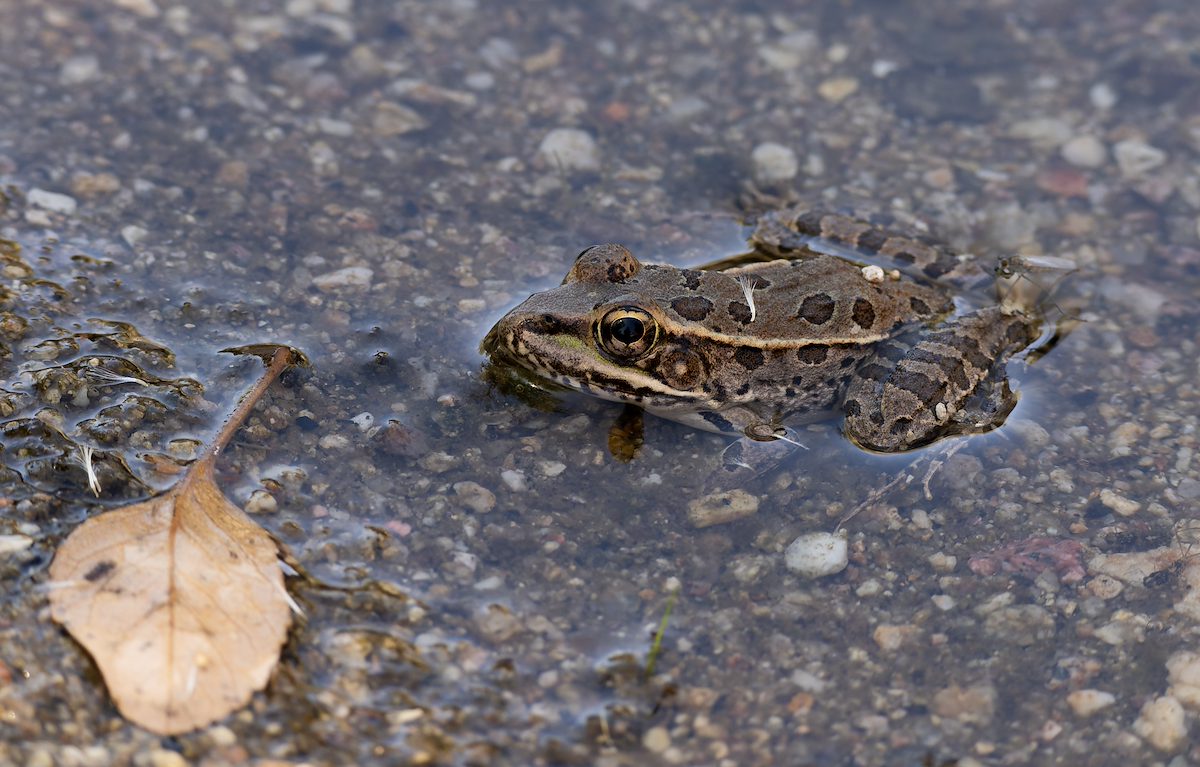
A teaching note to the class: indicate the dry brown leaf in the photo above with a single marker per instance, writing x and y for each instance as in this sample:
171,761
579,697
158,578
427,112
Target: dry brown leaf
180,599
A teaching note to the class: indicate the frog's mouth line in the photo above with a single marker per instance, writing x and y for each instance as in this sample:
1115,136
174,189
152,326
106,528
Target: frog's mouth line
568,361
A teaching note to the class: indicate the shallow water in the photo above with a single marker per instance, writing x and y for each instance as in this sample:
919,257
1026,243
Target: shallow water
482,581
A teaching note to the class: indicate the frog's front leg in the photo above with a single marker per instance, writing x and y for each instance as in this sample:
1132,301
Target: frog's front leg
907,396
763,447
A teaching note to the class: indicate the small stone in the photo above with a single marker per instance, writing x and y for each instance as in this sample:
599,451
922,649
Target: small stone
349,277
11,544
1085,152
393,119
790,51
475,496
438,462
89,185
133,234
1125,507
869,588
971,705
162,757
51,201
497,623
1024,625
551,468
1102,96
750,568
1088,702
1183,672
1162,725
942,562
943,602
1045,132
333,442
261,502
815,555
773,164
79,69
1136,158
891,638
514,480
837,89
144,8
570,150
719,508
656,740
872,273
235,174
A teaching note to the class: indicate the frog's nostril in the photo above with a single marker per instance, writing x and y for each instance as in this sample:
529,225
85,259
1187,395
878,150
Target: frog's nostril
547,323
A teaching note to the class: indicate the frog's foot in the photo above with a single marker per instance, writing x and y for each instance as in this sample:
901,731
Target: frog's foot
762,449
627,434
906,398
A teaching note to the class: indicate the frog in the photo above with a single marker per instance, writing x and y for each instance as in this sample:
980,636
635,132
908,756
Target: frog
825,316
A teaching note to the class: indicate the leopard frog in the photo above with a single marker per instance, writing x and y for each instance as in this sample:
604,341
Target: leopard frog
829,316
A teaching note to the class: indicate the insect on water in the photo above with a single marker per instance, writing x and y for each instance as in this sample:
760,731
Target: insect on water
1022,282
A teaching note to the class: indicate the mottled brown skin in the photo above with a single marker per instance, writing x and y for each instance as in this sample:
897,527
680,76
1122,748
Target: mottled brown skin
822,336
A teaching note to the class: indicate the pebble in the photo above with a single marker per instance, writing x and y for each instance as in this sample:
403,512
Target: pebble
133,234
1136,158
349,277
392,119
815,555
11,544
869,588
51,201
837,89
971,705
261,502
79,69
88,185
1088,702
1183,672
1085,152
162,757
570,149
1102,96
514,480
1045,132
475,496
1161,724
1125,507
891,638
790,51
333,442
497,623
1132,567
656,740
773,163
719,508
1022,624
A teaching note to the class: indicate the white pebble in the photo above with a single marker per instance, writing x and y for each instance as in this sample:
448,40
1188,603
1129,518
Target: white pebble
1102,96
363,421
1085,152
11,544
333,442
79,69
814,555
1136,158
774,163
514,479
1088,702
51,201
133,234
350,277
570,149
1162,725
872,273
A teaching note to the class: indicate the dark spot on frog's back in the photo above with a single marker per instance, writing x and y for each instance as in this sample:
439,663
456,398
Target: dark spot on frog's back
739,311
690,278
694,308
749,357
816,309
813,354
864,313
919,306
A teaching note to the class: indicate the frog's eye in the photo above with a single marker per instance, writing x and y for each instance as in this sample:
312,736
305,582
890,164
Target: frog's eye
627,332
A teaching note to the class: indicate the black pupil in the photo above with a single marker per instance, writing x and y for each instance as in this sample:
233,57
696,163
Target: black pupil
627,330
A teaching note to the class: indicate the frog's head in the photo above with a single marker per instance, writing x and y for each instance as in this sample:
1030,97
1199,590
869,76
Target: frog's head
600,332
